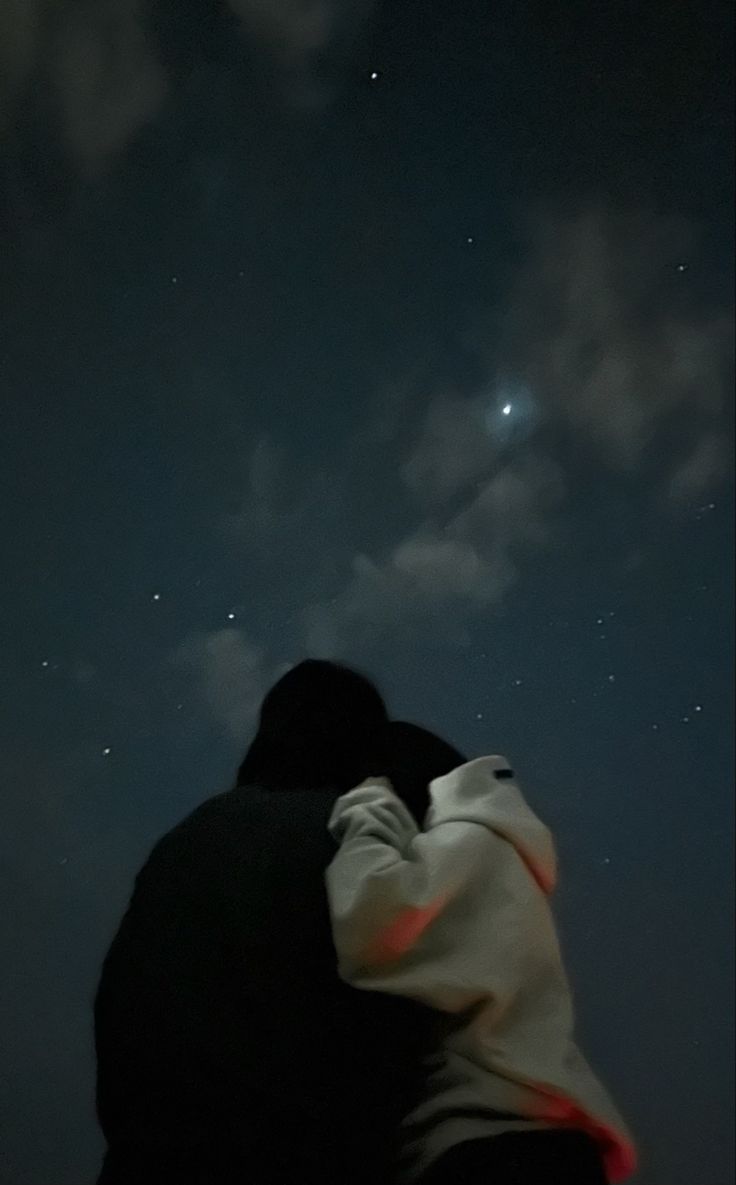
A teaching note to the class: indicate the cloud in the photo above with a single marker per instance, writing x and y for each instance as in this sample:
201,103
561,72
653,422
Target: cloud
109,80
600,347
297,34
707,461
473,514
421,578
441,573
293,519
97,68
93,60
453,450
602,328
20,37
266,502
429,514
294,29
232,673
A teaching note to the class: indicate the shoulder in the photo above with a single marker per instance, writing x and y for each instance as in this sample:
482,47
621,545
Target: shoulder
272,823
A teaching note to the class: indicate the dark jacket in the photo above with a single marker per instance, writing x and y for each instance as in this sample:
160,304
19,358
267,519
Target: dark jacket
228,1049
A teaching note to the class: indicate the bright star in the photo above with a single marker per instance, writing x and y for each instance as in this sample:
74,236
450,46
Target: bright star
510,413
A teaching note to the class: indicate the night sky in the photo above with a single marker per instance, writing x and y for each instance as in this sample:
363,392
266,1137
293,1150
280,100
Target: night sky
394,332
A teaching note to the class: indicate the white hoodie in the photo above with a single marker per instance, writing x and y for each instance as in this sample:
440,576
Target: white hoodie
457,916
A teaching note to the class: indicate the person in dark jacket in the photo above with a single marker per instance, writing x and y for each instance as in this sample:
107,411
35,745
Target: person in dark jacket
228,1049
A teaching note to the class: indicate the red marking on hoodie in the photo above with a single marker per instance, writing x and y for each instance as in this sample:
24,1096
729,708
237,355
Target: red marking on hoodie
404,932
619,1156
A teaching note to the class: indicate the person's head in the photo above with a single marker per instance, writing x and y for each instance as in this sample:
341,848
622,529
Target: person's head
315,728
411,757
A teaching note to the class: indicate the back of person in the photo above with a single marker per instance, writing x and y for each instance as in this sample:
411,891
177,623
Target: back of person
228,1049
225,1040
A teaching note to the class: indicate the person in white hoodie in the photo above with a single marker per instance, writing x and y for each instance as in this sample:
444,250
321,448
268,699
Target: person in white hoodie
439,892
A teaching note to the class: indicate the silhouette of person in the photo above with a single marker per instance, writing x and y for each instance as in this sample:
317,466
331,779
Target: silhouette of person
228,1049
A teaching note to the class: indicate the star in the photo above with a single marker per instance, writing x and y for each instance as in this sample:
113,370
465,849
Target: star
107,751
682,267
231,617
506,409
470,239
45,663
611,678
156,597
375,76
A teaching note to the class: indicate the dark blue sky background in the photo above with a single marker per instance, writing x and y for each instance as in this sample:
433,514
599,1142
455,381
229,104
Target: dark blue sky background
261,316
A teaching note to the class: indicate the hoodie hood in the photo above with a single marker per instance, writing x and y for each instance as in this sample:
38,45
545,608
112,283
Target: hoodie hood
485,791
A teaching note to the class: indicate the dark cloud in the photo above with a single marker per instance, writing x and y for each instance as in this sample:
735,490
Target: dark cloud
104,76
446,569
708,461
233,674
109,81
95,64
601,327
298,30
600,348
604,348
21,36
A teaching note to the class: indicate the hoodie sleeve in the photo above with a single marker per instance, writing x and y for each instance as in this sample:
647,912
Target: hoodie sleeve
395,892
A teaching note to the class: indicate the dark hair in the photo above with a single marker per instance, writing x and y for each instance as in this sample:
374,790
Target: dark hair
411,757
316,727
